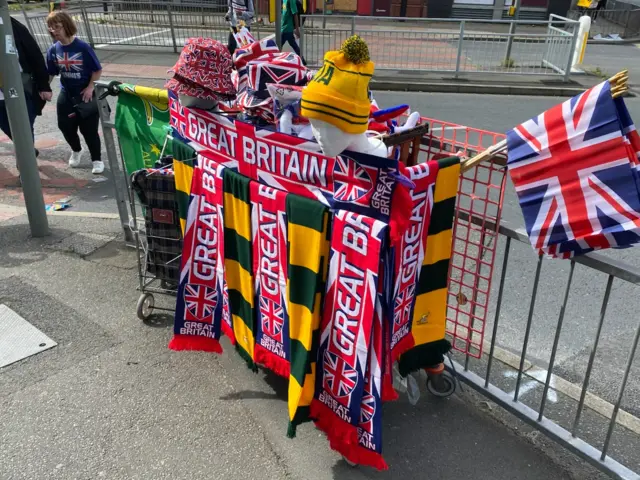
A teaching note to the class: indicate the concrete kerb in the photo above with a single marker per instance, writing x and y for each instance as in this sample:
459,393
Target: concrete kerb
567,388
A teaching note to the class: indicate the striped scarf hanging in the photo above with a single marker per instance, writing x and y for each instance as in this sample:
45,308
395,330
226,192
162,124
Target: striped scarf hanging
409,255
269,227
430,311
308,235
183,164
346,327
238,262
201,303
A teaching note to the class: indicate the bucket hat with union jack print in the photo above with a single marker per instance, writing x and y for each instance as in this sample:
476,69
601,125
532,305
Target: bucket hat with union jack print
203,71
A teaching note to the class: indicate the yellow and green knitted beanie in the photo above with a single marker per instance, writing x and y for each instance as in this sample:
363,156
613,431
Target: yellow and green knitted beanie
339,93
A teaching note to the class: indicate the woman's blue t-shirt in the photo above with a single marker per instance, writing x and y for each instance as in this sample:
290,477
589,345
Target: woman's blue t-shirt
75,63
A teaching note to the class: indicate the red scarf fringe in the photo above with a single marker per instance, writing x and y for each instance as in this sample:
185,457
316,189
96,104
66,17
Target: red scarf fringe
276,364
200,344
337,431
360,455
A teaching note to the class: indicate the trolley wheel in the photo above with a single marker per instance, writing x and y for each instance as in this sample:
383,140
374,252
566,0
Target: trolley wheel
145,306
441,385
349,462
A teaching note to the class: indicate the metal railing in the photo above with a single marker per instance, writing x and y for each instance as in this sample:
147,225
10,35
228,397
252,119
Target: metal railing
448,45
609,22
574,415
562,335
397,44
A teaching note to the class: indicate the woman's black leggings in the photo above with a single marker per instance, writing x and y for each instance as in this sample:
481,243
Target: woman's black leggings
69,121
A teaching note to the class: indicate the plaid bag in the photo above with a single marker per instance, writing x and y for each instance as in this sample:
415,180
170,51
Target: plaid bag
157,192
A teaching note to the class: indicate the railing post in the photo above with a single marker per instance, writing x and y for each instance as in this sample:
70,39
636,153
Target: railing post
85,19
112,159
512,31
302,42
26,19
460,42
173,31
574,40
151,11
353,25
324,14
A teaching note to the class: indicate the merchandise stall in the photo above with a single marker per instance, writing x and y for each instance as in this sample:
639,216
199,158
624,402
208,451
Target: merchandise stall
326,237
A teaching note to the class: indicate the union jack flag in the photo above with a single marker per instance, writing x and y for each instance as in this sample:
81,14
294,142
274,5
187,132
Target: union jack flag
264,49
571,169
70,63
403,304
351,182
272,318
284,69
340,378
178,118
201,301
367,409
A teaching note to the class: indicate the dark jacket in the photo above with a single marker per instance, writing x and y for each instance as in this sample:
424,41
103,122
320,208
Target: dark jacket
32,62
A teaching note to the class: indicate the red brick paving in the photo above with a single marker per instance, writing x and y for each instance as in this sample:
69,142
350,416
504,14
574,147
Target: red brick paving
58,180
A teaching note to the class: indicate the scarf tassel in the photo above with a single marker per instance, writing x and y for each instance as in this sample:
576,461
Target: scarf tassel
276,364
360,456
338,431
200,344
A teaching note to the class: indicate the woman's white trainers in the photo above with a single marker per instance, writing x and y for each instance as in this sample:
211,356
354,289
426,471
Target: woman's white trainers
98,167
76,159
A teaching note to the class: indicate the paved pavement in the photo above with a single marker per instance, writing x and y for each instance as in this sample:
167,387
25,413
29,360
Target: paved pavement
487,112
111,401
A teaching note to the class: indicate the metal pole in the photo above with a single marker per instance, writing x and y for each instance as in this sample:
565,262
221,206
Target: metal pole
512,31
460,43
87,26
20,127
173,30
279,23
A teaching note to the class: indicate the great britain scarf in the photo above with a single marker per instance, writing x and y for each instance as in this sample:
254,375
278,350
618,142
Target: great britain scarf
346,328
409,254
238,262
308,236
269,227
202,306
430,313
368,452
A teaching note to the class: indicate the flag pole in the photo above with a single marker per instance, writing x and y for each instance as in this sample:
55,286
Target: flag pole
14,99
618,88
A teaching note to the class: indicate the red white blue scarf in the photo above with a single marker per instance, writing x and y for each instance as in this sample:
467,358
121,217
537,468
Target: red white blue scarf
269,227
346,328
409,255
202,306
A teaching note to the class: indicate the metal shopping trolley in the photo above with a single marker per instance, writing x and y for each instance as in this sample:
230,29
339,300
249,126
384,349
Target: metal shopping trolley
158,238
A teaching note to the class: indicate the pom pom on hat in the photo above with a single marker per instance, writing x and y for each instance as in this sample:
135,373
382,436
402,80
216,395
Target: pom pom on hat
355,50
339,92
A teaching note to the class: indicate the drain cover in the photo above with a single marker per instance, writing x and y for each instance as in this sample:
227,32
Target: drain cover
18,338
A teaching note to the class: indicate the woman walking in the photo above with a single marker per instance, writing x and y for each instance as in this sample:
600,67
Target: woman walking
78,67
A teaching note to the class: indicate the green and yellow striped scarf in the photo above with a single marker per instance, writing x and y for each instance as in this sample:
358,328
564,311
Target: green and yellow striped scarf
238,262
308,225
183,163
430,312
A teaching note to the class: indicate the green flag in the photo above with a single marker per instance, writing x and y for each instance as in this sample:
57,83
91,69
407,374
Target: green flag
142,123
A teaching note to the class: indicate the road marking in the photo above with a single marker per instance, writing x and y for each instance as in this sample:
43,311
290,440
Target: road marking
572,390
129,39
537,378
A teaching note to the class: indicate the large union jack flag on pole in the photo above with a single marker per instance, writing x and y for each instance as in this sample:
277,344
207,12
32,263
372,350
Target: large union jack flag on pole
575,181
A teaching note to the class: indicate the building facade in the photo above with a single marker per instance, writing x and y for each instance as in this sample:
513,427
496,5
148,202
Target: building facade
471,9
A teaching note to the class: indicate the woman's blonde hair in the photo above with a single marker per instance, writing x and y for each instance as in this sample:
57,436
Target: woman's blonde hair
63,19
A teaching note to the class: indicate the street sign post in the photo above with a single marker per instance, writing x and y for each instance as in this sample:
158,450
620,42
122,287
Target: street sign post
14,99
